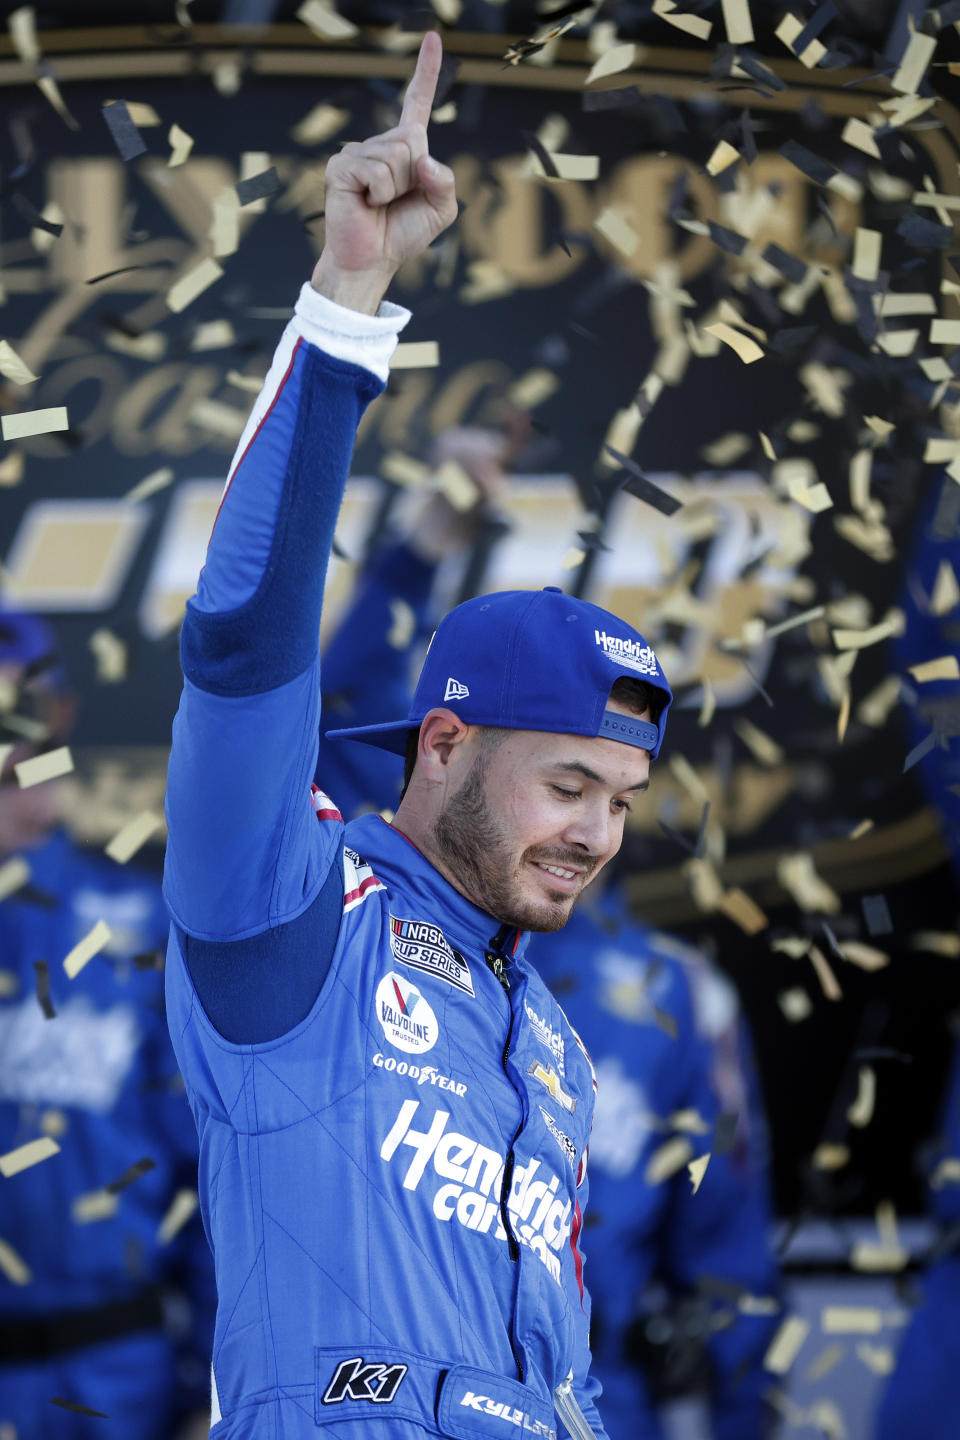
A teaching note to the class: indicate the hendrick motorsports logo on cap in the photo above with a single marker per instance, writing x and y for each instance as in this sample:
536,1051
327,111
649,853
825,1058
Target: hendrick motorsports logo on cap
406,1019
628,652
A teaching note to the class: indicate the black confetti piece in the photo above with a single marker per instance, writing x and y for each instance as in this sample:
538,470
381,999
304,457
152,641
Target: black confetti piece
876,913
747,143
42,972
642,488
946,517
792,338
140,1167
626,97
76,1409
542,154
816,169
756,68
258,187
149,960
919,751
676,837
728,240
664,1021
32,215
702,832
918,230
817,23
724,1132
789,266
126,136
756,680
108,274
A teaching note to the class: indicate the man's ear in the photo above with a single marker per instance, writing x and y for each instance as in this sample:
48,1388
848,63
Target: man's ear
442,735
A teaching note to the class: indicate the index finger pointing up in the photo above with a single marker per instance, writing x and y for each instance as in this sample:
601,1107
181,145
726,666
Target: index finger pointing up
418,101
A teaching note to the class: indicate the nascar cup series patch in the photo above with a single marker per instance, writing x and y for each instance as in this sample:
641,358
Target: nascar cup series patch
406,1018
425,947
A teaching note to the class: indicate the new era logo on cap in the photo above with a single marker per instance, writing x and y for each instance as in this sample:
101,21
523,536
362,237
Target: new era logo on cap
455,691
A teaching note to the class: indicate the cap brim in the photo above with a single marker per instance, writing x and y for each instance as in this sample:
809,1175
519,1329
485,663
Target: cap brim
391,736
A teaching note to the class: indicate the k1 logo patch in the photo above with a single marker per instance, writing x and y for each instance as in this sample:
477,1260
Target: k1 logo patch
355,1379
406,1018
425,947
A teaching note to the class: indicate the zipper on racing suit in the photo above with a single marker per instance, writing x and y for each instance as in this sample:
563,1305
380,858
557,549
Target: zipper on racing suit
498,962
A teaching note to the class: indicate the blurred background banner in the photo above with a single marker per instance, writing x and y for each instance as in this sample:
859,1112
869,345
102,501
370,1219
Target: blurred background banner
716,280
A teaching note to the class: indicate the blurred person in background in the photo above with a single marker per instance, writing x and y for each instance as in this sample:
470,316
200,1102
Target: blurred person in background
98,1311
663,1026
923,1394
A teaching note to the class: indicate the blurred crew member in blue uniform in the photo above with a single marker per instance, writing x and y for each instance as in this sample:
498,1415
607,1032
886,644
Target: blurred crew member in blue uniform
88,1063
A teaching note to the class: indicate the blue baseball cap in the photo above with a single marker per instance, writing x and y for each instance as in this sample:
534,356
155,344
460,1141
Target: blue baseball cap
531,660
28,642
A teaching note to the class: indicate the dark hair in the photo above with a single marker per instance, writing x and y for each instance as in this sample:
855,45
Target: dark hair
639,697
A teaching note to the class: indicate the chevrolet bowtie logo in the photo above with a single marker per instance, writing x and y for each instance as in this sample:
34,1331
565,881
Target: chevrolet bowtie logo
550,1081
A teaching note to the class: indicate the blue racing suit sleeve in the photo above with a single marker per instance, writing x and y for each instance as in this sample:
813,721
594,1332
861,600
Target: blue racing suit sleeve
246,855
366,679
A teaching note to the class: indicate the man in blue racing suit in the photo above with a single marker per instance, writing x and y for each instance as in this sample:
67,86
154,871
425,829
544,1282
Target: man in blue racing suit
85,1063
393,1198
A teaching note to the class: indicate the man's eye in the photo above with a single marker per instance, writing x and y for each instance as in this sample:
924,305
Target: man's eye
567,794
623,805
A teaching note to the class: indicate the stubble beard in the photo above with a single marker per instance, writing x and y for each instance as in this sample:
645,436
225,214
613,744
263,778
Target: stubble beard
476,853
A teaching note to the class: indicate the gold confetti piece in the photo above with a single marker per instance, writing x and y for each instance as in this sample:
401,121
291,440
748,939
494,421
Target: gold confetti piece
863,639
11,469
736,18
151,345
857,952
916,58
815,498
936,368
797,875
705,886
722,158
690,24
861,136
945,332
9,984
14,874
866,253
182,1207
826,1361
689,1120
761,745
403,623
946,591
191,285
946,1173
877,1358
403,470
568,167
858,831
219,417
795,1004
936,201
573,558
452,481
180,146
110,653
12,368
898,342
786,1344
325,22
54,1122
878,1259
875,707
696,1170
828,981
34,422
140,113
726,449
747,349
48,766
937,450
533,388
613,227
612,62
319,124
250,384
708,705
28,1155
737,905
789,30
416,355
667,1159
150,484
686,776
945,667
130,837
830,1157
50,91
758,1305
213,335
95,1205
794,621
22,25
15,1268
883,428
860,468
860,1113
84,950
904,302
